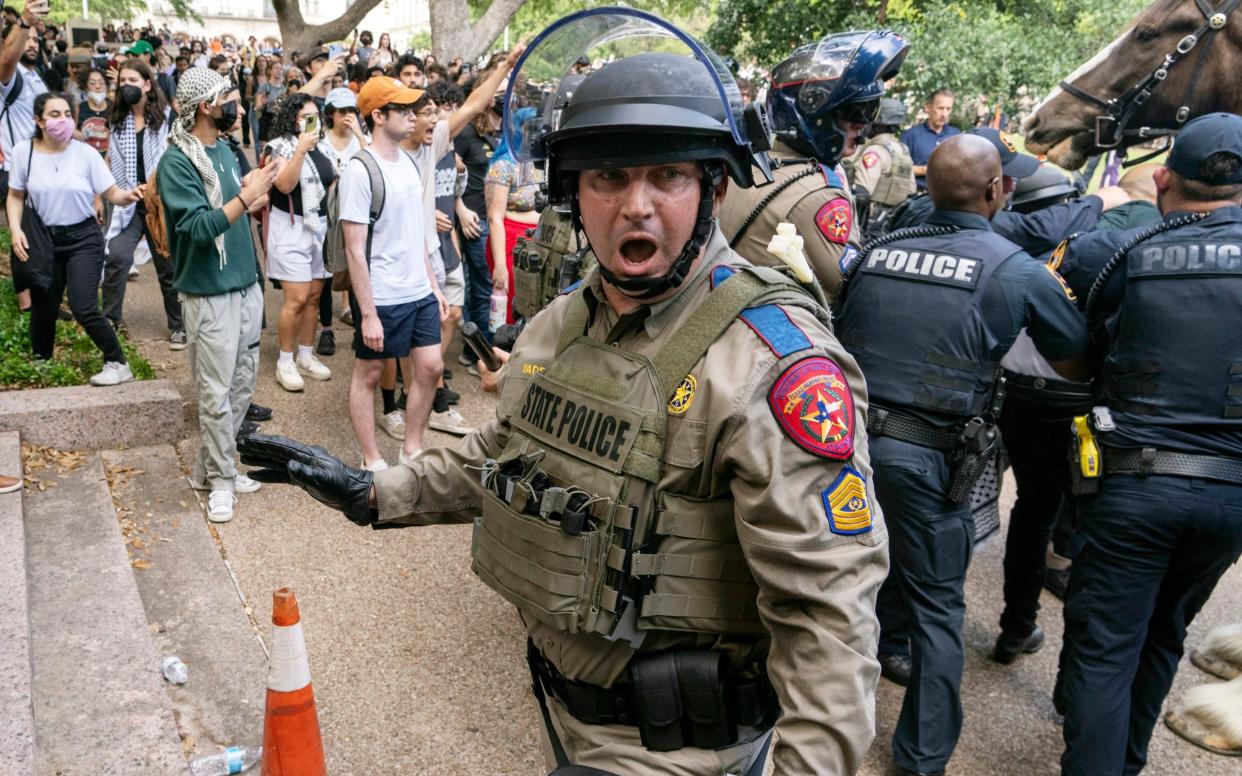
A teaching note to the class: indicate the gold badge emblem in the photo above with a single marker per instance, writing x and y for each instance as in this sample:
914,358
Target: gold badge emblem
683,397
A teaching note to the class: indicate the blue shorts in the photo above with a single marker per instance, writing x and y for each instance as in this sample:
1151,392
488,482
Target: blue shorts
406,326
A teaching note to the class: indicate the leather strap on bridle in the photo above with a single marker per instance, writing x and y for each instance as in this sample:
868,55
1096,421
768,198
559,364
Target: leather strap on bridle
1112,126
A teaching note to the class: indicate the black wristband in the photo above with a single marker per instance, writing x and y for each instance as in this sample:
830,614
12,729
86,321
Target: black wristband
244,205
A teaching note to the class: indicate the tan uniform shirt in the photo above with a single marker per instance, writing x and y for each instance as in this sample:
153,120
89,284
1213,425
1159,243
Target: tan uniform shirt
872,161
823,214
817,587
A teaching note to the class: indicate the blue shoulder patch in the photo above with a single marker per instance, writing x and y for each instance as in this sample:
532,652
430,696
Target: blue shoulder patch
722,273
569,289
775,328
833,180
846,505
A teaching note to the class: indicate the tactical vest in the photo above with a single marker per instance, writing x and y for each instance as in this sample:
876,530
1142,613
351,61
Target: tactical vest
897,182
1166,367
576,531
537,261
913,320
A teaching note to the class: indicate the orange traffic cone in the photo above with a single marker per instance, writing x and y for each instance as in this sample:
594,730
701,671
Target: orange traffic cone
292,745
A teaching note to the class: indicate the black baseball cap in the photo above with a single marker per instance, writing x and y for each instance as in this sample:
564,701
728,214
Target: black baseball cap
1013,164
1202,137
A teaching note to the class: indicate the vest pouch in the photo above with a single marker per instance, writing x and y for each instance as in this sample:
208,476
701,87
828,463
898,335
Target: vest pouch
696,577
527,278
657,694
701,677
537,567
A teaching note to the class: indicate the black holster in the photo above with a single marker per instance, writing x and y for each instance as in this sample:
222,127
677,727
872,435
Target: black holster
970,459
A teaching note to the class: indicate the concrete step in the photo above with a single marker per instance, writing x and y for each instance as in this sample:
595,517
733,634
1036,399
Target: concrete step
191,602
99,704
17,719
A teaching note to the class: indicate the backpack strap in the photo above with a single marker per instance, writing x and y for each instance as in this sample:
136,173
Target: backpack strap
11,98
378,194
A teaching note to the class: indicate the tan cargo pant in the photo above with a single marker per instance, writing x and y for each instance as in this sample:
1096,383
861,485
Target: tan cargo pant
619,749
223,334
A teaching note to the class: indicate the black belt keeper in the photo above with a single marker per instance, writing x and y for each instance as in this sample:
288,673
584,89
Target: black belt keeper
1147,461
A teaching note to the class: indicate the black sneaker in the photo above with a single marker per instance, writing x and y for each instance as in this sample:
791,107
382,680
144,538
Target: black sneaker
896,669
327,343
1057,582
448,374
1010,645
247,428
65,315
450,396
257,413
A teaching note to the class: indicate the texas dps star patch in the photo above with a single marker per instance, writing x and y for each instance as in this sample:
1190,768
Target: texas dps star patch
834,220
683,396
870,159
815,408
845,504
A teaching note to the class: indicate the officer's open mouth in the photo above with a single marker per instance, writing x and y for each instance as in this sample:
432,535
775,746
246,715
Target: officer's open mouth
637,251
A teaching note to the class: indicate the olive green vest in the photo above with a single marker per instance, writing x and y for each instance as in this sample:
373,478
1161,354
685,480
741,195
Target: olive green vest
590,432
897,182
537,260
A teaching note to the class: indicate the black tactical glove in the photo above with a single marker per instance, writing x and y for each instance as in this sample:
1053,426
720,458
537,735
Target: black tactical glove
314,470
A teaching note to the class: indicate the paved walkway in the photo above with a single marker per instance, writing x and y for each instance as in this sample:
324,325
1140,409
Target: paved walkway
418,668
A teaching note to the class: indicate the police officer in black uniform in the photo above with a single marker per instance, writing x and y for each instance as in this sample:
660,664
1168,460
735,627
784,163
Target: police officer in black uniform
928,316
1166,520
1036,233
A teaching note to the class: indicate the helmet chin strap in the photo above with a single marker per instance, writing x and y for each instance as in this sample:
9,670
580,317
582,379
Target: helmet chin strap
649,288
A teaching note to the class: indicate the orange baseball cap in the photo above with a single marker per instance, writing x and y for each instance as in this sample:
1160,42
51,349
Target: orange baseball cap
384,90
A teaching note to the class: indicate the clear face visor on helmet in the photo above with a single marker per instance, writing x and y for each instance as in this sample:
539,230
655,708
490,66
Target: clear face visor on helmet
544,79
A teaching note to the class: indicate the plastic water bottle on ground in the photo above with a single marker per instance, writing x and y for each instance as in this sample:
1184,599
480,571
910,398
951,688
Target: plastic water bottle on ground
235,759
174,670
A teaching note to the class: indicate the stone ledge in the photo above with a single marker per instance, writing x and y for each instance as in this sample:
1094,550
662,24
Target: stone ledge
16,695
84,417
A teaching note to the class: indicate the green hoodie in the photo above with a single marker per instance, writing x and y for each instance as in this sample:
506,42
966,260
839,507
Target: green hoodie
193,225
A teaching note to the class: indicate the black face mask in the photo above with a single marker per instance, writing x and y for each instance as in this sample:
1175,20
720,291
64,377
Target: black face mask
227,118
130,95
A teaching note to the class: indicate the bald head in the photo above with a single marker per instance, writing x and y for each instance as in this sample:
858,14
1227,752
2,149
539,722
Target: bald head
964,173
1140,182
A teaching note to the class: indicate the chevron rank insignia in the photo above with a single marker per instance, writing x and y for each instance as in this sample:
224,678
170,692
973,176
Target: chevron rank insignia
833,220
814,407
846,505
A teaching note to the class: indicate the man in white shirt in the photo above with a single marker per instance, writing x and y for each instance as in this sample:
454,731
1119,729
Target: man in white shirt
395,299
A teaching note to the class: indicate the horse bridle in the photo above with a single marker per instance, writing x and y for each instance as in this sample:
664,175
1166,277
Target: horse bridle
1113,126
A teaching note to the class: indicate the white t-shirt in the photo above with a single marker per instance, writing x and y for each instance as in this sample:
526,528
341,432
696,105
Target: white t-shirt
339,158
426,156
63,186
20,116
398,252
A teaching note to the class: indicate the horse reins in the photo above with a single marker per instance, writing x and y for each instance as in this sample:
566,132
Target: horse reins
1120,110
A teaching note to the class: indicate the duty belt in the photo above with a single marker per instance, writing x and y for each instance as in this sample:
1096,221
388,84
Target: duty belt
675,699
882,422
1062,388
1148,461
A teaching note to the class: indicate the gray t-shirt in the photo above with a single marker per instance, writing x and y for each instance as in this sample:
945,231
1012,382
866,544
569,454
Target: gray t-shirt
18,123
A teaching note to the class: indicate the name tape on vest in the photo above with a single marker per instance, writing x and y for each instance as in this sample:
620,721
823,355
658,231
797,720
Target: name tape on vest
588,428
1194,259
924,266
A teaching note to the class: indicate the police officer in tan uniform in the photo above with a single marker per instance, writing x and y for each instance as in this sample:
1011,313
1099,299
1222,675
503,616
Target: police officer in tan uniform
675,492
881,173
821,102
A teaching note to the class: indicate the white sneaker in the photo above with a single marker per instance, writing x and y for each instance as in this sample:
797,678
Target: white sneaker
450,422
377,466
220,506
394,424
243,484
313,368
133,272
113,373
408,460
288,377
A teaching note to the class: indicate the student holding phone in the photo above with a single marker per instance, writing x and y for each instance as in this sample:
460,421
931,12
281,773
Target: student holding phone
297,225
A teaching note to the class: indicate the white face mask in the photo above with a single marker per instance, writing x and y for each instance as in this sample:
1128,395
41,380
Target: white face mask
98,98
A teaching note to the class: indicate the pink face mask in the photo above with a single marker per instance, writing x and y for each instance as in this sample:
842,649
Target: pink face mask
59,130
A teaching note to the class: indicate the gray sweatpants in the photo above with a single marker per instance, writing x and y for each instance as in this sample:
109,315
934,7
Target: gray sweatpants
223,333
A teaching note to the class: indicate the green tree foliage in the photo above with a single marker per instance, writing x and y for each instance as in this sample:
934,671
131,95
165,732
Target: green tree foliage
113,10
977,48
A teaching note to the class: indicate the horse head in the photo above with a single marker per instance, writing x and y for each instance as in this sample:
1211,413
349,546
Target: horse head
1179,53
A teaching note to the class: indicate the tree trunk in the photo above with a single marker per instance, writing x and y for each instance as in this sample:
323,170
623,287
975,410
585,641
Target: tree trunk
452,34
297,35
882,14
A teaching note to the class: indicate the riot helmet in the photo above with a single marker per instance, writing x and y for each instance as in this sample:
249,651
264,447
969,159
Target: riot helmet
1047,186
822,86
892,113
660,97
